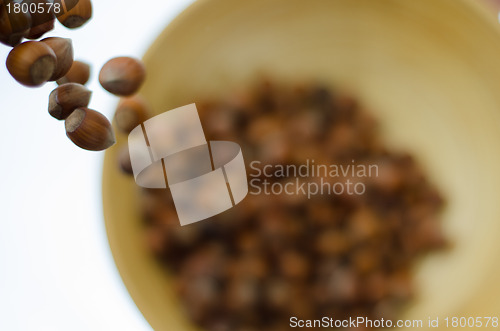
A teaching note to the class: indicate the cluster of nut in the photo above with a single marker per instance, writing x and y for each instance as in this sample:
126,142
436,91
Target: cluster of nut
33,63
87,128
276,256
15,25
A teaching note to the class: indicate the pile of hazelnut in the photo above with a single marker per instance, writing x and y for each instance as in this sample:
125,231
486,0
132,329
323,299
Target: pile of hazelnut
35,62
274,257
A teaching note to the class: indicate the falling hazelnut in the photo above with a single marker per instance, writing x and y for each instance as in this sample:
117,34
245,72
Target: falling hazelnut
42,20
122,76
125,162
131,112
78,73
79,13
63,48
13,26
31,63
89,130
66,98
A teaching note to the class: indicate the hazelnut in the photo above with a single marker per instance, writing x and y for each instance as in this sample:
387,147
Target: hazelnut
31,63
89,130
78,73
63,48
124,161
66,98
294,265
78,13
131,112
41,21
13,26
122,76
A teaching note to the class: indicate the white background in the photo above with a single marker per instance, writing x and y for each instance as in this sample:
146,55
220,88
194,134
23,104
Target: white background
56,268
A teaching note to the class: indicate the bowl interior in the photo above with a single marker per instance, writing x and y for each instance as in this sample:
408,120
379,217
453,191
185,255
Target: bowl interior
428,69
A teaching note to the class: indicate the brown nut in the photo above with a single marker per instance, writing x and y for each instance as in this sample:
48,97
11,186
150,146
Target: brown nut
66,98
32,63
294,265
89,130
42,19
80,12
63,48
13,26
122,76
131,112
78,73
124,161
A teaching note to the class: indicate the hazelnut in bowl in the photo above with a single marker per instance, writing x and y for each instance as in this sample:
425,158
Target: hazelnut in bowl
428,73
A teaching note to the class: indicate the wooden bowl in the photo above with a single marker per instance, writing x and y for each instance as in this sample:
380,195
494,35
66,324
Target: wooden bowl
429,69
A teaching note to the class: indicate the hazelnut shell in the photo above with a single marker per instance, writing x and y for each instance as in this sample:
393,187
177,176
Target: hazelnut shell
66,98
13,27
78,13
63,48
89,130
31,63
122,76
78,73
125,162
130,112
41,22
